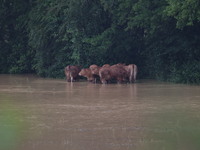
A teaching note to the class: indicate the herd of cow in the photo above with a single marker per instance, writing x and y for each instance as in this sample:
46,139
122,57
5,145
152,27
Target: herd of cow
106,74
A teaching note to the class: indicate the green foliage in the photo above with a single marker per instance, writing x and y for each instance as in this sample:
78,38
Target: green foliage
186,12
15,55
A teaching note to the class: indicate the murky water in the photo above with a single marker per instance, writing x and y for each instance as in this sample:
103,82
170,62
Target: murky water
49,114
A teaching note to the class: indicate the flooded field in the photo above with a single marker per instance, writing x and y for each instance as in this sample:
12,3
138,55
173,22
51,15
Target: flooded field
50,114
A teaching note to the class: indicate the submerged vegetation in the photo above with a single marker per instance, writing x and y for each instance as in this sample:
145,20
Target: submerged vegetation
160,36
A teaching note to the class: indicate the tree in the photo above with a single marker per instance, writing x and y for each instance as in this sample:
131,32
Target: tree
15,54
186,12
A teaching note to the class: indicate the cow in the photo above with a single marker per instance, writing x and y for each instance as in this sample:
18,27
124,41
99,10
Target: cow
114,72
86,72
95,71
71,72
131,71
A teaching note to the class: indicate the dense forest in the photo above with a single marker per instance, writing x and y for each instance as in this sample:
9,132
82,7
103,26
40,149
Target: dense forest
162,37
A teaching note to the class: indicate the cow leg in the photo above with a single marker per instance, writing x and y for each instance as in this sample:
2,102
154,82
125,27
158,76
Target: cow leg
130,79
95,80
71,78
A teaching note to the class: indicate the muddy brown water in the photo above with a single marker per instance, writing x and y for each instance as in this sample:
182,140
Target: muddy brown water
52,114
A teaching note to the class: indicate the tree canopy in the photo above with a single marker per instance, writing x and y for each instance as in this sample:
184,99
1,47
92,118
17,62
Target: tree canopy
160,36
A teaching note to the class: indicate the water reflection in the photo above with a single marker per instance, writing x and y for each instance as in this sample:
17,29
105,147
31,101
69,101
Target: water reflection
60,115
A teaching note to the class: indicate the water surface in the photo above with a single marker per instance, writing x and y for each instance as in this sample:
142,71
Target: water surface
52,114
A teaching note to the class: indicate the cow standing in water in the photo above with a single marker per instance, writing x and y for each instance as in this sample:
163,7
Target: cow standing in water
131,71
119,72
71,72
86,72
95,70
114,72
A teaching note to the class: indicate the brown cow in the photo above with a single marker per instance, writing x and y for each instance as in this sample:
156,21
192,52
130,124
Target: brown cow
114,72
86,72
95,69
131,71
71,72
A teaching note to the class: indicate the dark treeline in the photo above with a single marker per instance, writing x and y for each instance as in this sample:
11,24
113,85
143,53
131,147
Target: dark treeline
43,36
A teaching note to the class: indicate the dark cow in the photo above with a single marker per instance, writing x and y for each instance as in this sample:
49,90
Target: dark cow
71,72
86,72
114,72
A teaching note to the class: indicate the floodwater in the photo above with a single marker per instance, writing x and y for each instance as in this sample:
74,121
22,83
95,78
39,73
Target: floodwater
52,114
